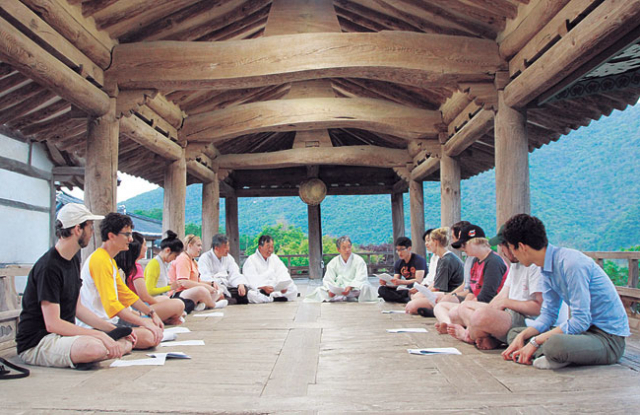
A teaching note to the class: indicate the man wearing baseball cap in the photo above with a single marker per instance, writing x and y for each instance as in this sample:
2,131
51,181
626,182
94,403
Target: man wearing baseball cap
47,333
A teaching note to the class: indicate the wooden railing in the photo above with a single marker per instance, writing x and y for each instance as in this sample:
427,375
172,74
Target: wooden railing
631,257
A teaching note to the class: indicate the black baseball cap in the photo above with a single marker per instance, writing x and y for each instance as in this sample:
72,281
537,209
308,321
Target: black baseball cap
467,233
498,239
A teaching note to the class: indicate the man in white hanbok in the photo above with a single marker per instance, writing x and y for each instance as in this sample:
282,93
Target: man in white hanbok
267,273
218,266
346,278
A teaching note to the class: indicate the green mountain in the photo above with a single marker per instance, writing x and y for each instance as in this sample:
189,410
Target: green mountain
585,188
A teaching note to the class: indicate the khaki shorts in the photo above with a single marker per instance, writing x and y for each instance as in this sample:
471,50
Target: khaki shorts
517,320
52,351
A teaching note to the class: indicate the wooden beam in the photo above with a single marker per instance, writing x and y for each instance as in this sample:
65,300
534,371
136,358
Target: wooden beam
610,21
480,124
312,114
199,170
38,30
36,63
140,132
367,156
130,100
175,192
426,169
416,208
69,22
537,18
169,111
210,211
403,57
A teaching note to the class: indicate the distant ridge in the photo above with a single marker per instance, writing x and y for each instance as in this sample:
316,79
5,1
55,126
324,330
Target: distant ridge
585,187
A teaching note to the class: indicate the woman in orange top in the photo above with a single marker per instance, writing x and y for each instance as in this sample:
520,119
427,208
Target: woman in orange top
184,271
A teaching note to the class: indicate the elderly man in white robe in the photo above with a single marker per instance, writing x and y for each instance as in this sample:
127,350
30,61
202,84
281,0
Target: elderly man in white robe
268,274
218,266
346,278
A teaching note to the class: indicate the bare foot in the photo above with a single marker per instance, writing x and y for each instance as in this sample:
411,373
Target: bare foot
487,343
459,332
442,328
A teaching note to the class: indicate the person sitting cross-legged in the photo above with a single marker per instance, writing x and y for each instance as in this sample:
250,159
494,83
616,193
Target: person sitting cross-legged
264,271
449,273
185,273
347,272
169,309
47,331
520,298
409,269
487,274
107,296
595,332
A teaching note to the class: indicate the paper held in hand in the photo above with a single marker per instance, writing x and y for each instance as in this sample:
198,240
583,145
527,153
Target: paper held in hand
281,285
386,278
430,295
334,289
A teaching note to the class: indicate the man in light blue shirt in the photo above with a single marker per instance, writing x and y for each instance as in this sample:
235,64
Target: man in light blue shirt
595,333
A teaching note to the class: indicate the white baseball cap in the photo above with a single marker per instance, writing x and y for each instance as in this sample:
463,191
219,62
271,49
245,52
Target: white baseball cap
73,214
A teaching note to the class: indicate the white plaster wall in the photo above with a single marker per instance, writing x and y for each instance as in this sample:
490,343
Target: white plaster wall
26,233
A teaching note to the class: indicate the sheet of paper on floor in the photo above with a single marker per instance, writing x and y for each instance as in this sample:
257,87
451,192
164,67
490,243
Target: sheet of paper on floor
183,343
434,351
408,330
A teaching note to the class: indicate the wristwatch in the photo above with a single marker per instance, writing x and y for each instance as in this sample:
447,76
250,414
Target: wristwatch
151,312
533,342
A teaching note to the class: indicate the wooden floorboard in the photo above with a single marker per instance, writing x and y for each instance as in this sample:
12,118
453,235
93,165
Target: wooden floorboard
299,358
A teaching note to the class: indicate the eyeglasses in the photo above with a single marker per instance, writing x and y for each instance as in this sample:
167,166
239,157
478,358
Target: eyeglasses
401,249
127,234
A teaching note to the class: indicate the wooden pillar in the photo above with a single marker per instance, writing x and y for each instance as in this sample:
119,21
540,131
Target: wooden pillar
101,171
233,234
416,203
397,218
210,211
315,241
512,162
175,193
450,205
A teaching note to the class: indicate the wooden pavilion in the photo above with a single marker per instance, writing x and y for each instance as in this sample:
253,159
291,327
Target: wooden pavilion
253,97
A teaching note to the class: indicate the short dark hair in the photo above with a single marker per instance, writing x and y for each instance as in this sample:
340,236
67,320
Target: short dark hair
113,223
526,229
172,242
403,241
427,232
126,260
264,239
66,232
458,227
219,240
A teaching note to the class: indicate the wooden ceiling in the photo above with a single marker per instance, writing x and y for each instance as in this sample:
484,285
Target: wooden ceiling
89,30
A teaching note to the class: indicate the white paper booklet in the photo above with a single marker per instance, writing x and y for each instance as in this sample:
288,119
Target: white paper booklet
386,278
434,351
409,330
210,314
282,285
177,330
334,289
430,295
183,343
167,336
393,312
170,355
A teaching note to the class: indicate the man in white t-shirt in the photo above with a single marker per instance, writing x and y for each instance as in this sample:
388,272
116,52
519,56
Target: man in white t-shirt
520,298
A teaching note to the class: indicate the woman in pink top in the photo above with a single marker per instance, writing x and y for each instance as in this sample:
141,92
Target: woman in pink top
184,272
168,310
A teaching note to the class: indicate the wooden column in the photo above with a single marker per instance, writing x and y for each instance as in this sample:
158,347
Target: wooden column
231,218
416,203
101,171
397,218
210,212
450,205
315,241
175,193
512,162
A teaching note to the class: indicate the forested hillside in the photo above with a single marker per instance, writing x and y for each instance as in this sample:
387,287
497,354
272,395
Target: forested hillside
585,187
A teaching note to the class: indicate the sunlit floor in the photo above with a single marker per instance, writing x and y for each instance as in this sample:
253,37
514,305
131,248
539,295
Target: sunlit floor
324,358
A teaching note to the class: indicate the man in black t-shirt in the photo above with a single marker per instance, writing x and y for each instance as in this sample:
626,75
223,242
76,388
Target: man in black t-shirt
47,333
410,268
